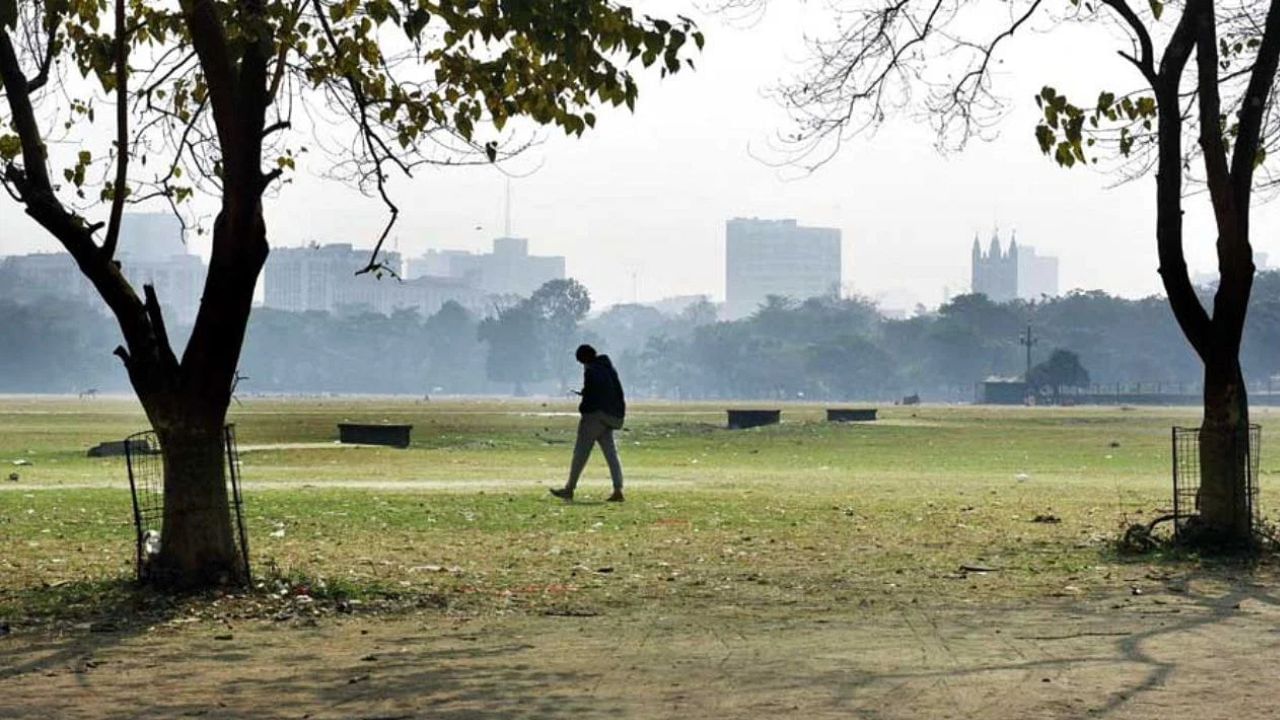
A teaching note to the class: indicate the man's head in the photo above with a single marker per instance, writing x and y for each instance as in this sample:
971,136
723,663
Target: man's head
585,354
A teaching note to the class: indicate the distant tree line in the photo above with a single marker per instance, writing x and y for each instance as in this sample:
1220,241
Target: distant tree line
828,348
823,348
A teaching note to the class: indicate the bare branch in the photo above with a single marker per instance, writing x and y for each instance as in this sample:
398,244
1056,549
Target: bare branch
121,187
42,72
1253,105
277,127
377,149
868,71
1145,61
283,55
1211,145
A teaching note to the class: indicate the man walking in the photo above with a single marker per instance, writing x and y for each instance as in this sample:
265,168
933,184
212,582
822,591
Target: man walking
603,409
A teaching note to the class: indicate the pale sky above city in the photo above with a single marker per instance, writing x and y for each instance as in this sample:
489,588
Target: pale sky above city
639,205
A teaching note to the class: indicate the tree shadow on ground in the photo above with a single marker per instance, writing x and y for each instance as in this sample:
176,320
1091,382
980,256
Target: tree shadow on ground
1136,657
1094,657
419,679
74,621
453,683
86,650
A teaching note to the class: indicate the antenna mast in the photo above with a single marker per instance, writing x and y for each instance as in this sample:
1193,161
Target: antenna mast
507,224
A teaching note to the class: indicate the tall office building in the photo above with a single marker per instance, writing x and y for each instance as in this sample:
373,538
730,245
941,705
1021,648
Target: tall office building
1037,274
778,257
151,237
152,252
508,270
1016,273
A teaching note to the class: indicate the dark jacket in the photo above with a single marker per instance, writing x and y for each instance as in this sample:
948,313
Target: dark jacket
601,389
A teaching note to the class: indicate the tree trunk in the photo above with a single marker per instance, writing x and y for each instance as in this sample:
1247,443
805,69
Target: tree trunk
1223,500
197,542
187,403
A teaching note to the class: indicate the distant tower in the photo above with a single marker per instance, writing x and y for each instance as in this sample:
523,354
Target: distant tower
978,276
995,274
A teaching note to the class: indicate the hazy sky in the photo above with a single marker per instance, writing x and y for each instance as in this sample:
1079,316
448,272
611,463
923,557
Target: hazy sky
639,205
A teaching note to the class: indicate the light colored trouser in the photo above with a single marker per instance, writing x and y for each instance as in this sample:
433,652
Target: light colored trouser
595,428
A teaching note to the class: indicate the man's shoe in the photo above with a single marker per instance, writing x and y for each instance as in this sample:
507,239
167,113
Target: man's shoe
563,493
615,497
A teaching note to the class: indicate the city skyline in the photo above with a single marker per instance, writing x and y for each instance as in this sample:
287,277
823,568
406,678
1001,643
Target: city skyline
637,205
503,271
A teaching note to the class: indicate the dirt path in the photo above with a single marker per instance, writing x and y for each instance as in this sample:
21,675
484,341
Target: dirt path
517,485
1167,655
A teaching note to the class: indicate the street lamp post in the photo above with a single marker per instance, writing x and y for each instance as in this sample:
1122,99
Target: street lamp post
1028,341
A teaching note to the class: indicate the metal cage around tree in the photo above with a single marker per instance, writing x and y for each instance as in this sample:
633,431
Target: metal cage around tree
144,458
1245,446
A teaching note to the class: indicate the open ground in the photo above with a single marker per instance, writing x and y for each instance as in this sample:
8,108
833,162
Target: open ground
941,562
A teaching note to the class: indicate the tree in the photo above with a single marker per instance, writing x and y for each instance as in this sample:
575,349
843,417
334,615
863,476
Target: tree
1224,102
625,327
48,347
560,306
206,90
453,349
850,367
1062,369
516,354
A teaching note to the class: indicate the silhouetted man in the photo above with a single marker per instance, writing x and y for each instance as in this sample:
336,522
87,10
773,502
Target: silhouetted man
603,409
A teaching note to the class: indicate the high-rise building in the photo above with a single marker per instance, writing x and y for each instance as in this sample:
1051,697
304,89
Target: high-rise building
1037,274
151,237
151,252
778,257
508,270
1016,273
323,278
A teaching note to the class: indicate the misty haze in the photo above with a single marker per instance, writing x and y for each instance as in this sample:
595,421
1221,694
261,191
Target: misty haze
666,358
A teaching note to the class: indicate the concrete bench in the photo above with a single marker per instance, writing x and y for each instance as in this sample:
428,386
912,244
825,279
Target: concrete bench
363,434
743,419
851,414
120,448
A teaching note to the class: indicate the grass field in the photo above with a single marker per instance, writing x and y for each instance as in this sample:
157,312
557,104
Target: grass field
930,507
905,500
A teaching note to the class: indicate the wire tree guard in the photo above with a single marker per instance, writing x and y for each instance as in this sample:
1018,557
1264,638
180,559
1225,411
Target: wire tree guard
145,461
1187,473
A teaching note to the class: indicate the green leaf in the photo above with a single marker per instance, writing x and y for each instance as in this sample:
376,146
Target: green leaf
1045,138
10,147
1157,8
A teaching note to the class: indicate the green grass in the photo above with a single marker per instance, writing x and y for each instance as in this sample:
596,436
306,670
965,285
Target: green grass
806,512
